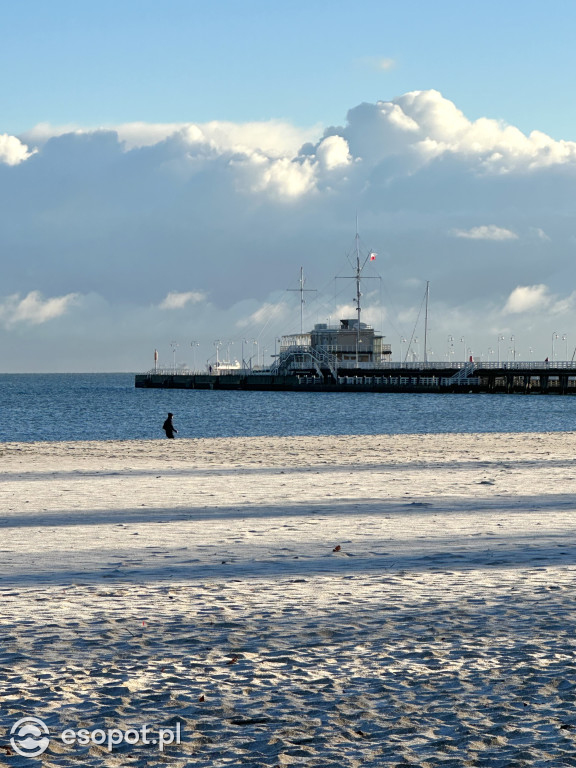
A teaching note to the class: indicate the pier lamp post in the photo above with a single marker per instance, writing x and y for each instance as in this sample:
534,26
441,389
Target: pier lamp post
194,344
244,341
217,344
513,340
449,347
463,342
229,344
490,353
554,338
402,341
254,343
565,340
174,346
500,338
530,352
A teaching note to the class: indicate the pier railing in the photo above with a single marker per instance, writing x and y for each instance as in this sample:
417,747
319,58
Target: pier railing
556,365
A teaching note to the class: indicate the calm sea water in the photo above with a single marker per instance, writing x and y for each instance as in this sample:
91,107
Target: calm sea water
108,407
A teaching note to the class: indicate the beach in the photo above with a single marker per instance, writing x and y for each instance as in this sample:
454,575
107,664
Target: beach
382,600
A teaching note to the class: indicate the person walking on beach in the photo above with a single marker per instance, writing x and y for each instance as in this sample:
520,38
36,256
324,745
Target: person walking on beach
169,427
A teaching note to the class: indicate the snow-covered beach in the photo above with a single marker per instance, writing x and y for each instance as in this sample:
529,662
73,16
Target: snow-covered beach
316,601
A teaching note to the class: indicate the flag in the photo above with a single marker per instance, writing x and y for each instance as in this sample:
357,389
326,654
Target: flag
372,256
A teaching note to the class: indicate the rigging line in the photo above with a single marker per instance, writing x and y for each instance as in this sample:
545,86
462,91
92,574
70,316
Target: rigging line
414,329
390,301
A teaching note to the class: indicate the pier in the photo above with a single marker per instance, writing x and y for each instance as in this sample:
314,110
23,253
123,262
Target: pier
528,378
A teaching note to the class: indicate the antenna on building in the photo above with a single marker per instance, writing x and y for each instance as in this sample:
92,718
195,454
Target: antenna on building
301,290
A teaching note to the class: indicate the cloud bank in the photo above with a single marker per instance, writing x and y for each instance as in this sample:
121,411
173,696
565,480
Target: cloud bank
147,233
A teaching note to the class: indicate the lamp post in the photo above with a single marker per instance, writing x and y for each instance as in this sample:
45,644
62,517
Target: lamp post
254,343
449,347
500,338
402,341
565,340
194,344
174,346
244,341
217,344
554,338
513,340
463,342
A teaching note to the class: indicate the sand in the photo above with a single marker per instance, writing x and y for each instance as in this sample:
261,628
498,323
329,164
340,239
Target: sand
325,601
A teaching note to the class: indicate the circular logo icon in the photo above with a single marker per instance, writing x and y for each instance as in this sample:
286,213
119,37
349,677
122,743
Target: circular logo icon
29,737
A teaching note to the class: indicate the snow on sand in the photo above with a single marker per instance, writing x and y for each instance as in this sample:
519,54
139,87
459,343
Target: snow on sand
310,601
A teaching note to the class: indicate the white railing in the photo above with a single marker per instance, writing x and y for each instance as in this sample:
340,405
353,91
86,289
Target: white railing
556,365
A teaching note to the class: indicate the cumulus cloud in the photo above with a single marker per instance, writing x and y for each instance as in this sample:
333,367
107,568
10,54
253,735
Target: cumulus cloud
234,210
12,150
175,300
273,137
333,152
526,298
486,232
33,309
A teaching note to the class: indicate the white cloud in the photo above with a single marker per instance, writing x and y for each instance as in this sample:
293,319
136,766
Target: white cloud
283,177
263,315
333,152
486,232
381,63
12,150
175,300
527,298
540,234
237,209
273,137
33,309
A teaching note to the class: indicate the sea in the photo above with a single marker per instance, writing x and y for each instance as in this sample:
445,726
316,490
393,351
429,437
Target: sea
107,406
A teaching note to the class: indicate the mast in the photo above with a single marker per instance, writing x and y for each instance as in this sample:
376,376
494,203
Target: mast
358,277
426,322
301,290
358,293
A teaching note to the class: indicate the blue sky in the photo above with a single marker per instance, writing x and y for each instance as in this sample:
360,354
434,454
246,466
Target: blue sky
91,63
167,168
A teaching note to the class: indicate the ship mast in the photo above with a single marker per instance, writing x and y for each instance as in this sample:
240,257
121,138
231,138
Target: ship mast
426,322
358,277
301,290
358,293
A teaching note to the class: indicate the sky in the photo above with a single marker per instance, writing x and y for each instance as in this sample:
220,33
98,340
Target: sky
166,169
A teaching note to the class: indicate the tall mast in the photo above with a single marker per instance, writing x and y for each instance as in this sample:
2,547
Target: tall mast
301,290
426,322
358,293
358,277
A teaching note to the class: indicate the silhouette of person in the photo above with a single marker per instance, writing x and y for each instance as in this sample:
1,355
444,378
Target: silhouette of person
169,427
